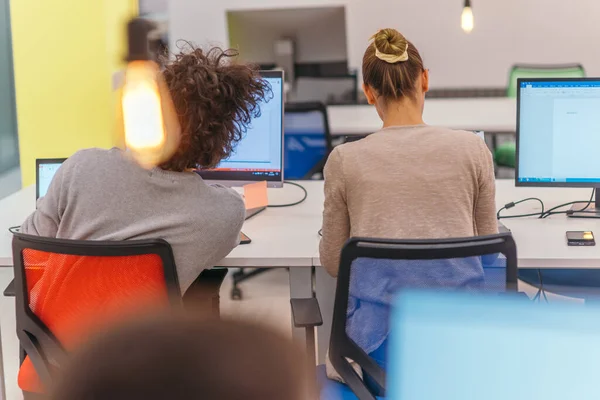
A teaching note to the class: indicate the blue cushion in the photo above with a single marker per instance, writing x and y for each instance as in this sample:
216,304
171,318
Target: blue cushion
333,390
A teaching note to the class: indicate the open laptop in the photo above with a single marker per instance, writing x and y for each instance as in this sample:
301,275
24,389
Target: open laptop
45,169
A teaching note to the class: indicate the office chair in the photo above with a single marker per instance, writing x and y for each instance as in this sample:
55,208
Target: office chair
66,290
505,154
372,272
517,71
307,140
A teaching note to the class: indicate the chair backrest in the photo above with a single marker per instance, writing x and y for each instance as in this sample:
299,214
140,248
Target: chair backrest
542,71
307,139
372,273
67,290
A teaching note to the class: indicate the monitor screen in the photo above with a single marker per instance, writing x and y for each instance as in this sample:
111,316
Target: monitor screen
462,346
259,155
46,169
558,132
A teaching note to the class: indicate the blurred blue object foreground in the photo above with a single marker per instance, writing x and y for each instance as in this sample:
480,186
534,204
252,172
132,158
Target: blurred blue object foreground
447,346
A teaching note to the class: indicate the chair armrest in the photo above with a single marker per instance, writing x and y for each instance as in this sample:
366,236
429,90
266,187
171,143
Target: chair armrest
306,313
10,289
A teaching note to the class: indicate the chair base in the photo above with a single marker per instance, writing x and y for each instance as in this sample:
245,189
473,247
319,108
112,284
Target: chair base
241,276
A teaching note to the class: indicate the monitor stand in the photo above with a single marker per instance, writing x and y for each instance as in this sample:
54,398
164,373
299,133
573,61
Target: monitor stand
593,211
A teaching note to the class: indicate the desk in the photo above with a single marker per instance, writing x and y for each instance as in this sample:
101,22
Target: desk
540,243
281,237
493,115
288,237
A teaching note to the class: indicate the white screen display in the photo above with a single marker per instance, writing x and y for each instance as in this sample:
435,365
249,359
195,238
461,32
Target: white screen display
260,149
559,131
45,174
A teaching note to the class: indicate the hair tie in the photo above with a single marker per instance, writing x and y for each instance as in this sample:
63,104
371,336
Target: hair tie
391,58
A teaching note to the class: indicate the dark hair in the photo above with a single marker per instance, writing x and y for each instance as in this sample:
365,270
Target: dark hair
392,65
215,99
177,358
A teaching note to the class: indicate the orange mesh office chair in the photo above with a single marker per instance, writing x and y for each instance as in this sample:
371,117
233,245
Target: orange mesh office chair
68,290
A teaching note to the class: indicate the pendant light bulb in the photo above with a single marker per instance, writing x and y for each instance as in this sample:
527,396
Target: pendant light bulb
466,19
150,126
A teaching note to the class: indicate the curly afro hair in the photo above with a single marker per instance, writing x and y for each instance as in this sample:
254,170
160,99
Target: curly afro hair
215,98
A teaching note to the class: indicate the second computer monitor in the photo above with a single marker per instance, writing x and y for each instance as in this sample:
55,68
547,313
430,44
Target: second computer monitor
558,132
259,155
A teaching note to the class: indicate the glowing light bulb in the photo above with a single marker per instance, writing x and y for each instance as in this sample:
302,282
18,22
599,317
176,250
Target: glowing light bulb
143,121
466,19
149,127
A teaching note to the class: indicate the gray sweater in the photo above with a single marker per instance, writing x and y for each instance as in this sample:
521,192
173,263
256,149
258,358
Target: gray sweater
102,195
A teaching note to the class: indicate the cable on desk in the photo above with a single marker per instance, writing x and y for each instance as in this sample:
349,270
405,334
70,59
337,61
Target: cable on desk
514,203
291,204
545,213
569,212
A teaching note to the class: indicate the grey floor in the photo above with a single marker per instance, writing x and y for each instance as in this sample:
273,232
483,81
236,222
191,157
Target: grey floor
266,300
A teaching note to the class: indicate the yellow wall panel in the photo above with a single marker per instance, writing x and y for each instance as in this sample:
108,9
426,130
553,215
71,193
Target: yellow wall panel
64,59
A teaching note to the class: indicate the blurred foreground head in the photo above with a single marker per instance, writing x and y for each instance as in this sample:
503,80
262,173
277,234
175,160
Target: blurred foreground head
176,358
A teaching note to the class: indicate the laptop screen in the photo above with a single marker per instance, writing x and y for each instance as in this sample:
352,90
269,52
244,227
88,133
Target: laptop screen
259,155
46,169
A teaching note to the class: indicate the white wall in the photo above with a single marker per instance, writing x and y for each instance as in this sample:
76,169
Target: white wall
153,6
506,32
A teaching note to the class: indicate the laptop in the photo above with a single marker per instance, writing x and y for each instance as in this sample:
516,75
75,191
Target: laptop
472,347
45,169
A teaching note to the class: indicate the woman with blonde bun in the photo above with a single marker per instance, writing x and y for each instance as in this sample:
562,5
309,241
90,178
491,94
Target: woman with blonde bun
409,180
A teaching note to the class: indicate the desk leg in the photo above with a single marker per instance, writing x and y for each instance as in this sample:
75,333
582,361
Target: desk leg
325,291
300,288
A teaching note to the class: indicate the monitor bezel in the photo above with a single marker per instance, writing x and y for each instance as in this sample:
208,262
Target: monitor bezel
518,134
41,161
240,178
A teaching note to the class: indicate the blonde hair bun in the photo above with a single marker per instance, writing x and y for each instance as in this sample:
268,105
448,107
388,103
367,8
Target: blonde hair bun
390,45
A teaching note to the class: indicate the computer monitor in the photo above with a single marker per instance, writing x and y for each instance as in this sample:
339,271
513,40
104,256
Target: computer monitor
558,135
259,155
45,169
468,347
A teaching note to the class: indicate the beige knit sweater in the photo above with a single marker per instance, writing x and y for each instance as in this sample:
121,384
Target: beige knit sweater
410,182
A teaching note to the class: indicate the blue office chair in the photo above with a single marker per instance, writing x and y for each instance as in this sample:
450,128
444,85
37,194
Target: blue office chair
372,272
307,140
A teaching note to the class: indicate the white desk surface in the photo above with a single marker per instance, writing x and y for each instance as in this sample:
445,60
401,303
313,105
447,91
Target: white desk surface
494,114
283,237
